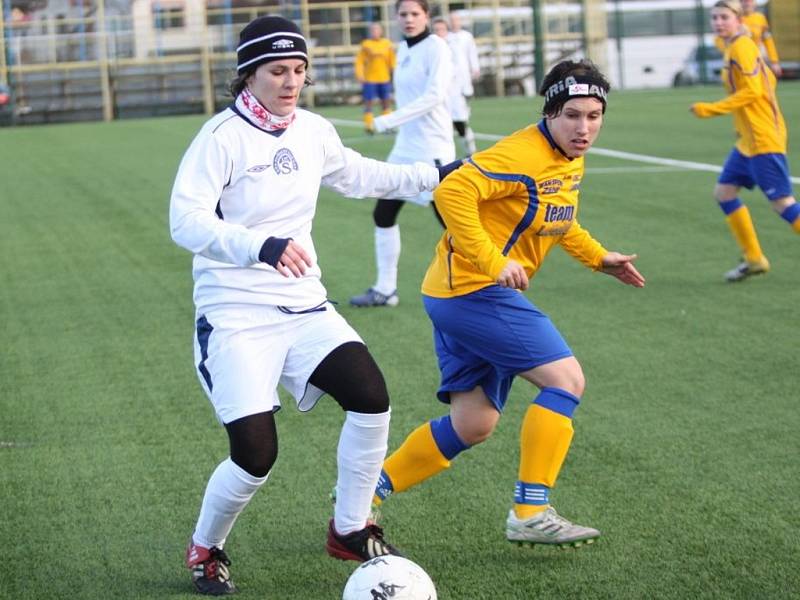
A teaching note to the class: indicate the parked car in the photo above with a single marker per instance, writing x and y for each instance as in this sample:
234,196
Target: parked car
691,73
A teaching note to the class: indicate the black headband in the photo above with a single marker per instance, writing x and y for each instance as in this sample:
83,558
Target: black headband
267,39
575,86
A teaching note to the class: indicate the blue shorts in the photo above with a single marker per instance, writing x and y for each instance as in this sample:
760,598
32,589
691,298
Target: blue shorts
487,337
371,91
770,172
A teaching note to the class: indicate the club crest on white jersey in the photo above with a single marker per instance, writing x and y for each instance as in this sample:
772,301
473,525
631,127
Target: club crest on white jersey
284,162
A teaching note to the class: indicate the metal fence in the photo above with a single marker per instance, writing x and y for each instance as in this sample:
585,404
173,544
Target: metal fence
151,57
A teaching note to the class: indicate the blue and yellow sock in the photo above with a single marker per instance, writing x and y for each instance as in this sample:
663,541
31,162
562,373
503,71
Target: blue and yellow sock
791,214
369,120
426,451
741,225
545,438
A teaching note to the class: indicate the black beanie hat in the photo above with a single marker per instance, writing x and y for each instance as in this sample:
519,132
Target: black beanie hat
269,38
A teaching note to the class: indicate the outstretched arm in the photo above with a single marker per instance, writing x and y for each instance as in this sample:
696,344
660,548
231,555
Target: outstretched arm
621,266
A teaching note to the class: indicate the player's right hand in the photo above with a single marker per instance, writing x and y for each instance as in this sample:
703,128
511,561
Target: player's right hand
513,276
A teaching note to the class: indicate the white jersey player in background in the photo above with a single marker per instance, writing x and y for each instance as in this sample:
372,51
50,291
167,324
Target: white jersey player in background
425,133
467,69
243,202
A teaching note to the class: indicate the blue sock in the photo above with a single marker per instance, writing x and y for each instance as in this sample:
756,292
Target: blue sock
791,213
729,206
446,438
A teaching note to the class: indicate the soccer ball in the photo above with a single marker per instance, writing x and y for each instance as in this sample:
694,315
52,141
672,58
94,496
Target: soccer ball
389,577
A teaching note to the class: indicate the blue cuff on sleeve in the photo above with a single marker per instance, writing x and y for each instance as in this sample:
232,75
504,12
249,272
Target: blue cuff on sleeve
445,170
272,250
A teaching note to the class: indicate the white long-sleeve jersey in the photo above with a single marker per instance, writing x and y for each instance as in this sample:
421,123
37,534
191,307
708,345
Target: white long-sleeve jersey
465,59
237,185
422,80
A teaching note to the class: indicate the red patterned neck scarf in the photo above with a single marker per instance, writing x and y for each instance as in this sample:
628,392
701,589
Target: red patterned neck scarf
250,107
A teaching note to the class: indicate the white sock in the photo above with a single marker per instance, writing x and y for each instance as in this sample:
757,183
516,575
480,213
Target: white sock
387,256
469,140
228,491
362,448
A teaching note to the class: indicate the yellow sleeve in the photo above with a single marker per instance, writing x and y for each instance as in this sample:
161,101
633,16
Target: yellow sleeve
579,244
745,67
392,57
769,46
457,199
361,59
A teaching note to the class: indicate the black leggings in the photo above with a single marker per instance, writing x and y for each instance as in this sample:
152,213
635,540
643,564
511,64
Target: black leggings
349,374
386,211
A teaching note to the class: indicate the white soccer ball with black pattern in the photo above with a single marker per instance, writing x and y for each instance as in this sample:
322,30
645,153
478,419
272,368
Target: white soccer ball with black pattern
389,578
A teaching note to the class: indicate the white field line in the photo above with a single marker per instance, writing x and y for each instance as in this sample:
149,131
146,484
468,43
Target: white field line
643,158
631,169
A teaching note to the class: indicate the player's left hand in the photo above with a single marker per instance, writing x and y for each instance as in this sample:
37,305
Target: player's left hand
621,266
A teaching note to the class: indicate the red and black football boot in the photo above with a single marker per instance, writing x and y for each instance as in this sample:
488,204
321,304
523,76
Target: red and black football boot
360,545
209,568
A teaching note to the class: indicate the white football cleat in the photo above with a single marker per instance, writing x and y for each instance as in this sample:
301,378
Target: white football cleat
548,527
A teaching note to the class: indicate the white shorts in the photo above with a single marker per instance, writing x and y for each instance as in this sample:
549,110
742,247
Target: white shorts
243,353
423,198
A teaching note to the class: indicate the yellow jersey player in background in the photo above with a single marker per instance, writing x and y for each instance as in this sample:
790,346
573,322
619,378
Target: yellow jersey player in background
758,27
759,157
504,210
374,64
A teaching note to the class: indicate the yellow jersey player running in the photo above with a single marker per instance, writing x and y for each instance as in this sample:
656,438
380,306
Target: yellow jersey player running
759,157
374,64
504,210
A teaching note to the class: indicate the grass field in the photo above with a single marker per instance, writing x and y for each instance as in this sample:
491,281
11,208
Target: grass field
686,447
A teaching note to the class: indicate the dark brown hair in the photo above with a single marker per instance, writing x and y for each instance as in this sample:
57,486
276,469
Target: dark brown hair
423,4
584,70
239,82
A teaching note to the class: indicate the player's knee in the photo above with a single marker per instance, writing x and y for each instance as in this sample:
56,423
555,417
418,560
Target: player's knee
724,192
368,399
781,204
474,432
258,461
385,213
254,443
568,377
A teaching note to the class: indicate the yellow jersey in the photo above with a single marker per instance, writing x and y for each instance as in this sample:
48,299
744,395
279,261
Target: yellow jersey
375,61
758,27
750,84
516,200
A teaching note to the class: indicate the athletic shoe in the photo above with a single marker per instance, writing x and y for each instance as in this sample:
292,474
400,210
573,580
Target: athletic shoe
209,567
373,297
548,527
745,269
360,545
374,509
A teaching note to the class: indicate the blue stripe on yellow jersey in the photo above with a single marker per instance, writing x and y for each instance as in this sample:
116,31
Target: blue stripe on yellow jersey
533,205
